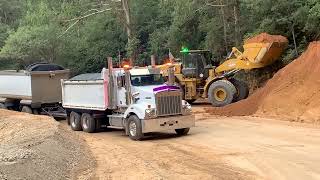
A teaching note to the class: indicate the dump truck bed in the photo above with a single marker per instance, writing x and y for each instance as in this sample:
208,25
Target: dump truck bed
38,86
80,93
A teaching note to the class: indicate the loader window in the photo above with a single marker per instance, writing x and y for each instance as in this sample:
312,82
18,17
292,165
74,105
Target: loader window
147,80
194,60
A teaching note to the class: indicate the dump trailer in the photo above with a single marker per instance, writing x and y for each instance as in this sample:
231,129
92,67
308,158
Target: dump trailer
37,89
198,76
136,100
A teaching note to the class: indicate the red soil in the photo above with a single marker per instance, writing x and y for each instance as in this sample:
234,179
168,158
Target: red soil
265,38
292,94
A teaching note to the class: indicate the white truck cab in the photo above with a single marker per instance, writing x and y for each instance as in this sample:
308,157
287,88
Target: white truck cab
137,100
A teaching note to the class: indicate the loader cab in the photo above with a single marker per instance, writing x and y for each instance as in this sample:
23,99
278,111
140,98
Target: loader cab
196,63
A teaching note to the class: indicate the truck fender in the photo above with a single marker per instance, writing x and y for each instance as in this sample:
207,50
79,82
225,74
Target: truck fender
135,109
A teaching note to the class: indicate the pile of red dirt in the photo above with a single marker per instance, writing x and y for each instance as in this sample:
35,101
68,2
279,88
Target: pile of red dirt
292,94
267,38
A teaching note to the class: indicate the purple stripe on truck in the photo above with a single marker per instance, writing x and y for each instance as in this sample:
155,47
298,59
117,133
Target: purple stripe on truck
166,88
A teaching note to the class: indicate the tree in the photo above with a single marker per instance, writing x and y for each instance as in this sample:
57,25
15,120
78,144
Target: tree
80,34
36,38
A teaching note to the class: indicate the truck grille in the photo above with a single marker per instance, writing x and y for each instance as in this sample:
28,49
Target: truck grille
169,103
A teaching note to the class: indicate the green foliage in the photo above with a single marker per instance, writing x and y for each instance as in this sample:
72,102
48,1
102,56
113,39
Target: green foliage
36,38
46,30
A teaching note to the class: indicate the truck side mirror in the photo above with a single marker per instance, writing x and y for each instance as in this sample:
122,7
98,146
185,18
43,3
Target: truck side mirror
135,96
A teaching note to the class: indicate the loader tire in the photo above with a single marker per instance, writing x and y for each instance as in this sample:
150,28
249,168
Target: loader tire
242,90
191,101
134,128
88,123
221,93
182,90
75,121
27,109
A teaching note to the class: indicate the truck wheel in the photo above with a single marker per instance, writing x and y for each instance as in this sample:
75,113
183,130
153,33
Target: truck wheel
36,111
2,106
68,120
221,93
75,121
182,132
26,109
134,128
88,123
242,90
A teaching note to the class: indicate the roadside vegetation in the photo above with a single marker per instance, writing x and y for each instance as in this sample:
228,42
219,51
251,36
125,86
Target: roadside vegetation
80,34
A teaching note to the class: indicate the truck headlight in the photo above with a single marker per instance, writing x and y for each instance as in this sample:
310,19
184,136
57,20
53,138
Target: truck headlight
186,108
150,113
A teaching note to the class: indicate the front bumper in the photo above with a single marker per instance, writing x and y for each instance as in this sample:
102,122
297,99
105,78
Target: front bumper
168,123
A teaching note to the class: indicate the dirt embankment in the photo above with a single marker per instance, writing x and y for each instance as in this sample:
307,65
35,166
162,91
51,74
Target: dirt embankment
292,94
36,147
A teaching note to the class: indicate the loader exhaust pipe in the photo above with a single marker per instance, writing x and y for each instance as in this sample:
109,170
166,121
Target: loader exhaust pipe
153,60
171,77
110,66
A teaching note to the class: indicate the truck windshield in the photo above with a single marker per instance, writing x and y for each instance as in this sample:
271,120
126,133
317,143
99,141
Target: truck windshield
147,80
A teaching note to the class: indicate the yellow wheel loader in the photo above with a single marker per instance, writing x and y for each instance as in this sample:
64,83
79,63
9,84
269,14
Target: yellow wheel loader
199,78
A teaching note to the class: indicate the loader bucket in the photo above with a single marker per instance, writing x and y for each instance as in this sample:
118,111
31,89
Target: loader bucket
263,53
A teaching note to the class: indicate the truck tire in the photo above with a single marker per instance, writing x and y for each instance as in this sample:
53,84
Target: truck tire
75,121
182,132
221,93
242,90
134,128
88,123
2,106
35,111
68,120
26,109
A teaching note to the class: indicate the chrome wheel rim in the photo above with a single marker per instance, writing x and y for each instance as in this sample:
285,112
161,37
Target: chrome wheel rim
133,128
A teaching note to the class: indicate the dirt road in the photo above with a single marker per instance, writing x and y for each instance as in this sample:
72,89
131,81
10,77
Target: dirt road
218,148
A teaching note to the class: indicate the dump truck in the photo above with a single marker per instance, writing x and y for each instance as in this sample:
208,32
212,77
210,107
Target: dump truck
199,78
134,99
35,90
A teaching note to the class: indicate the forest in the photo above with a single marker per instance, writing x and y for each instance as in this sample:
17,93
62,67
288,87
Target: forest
81,34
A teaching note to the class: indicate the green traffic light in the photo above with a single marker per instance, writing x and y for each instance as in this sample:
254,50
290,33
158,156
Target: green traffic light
185,50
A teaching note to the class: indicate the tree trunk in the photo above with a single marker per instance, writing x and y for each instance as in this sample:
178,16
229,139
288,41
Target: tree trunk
128,25
294,41
236,14
125,7
224,25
